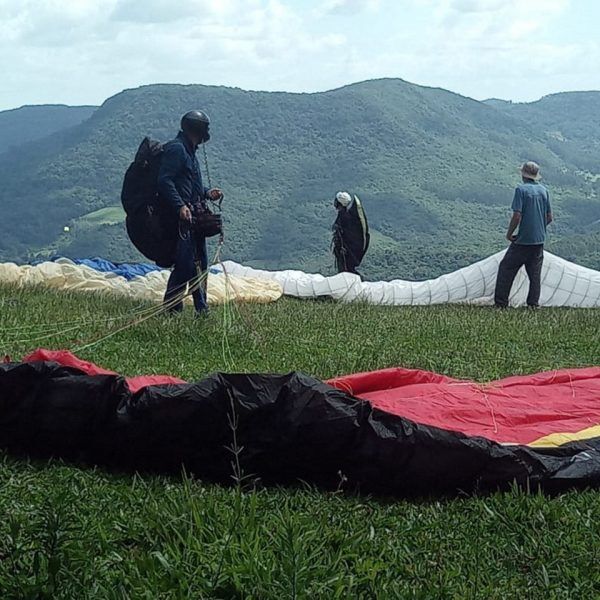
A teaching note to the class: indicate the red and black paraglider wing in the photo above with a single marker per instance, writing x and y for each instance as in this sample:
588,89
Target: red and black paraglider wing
398,431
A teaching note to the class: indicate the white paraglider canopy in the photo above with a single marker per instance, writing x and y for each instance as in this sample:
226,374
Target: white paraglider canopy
563,284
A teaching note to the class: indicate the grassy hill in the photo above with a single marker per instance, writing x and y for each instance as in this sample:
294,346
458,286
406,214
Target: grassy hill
83,533
435,171
30,123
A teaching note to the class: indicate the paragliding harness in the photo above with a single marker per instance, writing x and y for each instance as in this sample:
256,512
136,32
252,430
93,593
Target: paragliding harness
205,222
150,226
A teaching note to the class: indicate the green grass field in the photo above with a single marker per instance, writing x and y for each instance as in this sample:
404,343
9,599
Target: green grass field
72,533
111,215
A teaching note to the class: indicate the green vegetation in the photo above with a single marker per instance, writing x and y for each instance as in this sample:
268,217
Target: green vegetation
87,535
435,171
31,123
83,533
571,123
111,215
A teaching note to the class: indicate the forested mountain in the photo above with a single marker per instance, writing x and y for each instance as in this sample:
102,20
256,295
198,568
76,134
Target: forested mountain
30,123
570,123
435,171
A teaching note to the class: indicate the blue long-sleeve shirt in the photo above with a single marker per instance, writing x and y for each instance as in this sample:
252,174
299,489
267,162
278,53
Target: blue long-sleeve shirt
179,176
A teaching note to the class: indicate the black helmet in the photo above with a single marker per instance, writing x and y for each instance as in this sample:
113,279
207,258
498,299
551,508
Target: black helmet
196,122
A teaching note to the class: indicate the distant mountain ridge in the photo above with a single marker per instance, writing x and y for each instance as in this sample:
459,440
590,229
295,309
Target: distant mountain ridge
570,122
434,169
31,123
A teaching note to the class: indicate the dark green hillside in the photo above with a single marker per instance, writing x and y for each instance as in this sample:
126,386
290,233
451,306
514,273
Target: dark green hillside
30,123
571,123
434,169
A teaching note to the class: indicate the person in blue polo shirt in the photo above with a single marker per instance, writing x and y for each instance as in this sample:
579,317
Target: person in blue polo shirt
531,215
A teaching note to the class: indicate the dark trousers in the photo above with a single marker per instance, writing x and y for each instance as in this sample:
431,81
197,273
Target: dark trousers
345,260
190,260
345,263
517,255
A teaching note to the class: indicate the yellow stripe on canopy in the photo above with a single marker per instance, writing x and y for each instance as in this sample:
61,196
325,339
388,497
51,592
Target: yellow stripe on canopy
558,439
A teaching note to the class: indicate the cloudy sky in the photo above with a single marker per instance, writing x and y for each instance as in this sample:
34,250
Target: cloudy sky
83,51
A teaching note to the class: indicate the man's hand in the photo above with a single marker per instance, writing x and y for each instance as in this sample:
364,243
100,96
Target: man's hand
512,226
185,214
215,194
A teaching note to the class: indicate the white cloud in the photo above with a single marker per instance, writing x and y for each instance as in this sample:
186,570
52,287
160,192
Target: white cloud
476,6
480,20
82,51
349,7
498,47
165,11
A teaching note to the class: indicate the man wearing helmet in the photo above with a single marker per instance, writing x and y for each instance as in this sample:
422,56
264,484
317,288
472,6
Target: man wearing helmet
181,190
350,233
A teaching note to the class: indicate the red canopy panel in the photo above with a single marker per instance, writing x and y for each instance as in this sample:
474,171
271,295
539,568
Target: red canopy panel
515,410
65,358
398,431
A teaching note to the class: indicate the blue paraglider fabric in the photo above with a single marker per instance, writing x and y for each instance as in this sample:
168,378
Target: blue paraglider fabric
127,270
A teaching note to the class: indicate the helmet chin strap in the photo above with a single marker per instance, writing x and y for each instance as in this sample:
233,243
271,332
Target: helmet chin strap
203,134
206,169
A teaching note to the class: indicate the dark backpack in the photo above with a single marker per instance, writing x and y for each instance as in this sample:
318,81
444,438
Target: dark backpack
150,227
